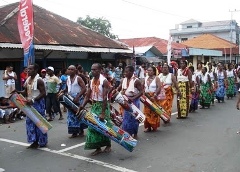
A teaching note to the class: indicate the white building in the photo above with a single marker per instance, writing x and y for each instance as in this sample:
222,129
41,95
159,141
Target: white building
228,30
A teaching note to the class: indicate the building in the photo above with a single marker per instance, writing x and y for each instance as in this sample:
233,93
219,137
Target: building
229,50
179,51
228,30
158,45
58,42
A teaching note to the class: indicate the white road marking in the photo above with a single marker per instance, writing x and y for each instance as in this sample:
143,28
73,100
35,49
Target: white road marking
100,163
71,147
2,170
14,142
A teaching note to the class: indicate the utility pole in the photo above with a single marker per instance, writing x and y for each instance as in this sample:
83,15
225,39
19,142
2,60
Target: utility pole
231,25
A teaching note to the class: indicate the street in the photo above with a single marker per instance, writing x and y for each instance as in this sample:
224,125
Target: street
207,141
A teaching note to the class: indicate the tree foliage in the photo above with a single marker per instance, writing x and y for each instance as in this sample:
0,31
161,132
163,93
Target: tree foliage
99,25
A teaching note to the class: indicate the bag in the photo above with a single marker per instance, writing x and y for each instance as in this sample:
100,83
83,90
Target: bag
161,95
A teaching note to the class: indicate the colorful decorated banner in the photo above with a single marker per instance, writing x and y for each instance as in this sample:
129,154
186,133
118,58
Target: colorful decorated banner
19,101
26,30
158,110
90,119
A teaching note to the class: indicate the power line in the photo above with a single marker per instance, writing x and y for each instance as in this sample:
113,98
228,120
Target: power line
156,10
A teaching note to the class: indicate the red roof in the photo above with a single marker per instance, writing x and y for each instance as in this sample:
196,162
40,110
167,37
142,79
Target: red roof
160,44
52,29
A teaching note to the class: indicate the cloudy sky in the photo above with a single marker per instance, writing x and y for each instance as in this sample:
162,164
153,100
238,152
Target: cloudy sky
143,18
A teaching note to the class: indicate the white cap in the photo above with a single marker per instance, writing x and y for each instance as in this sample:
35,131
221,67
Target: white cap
50,68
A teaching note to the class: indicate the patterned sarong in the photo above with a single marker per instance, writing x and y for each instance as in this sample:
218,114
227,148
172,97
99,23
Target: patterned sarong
206,94
152,120
183,103
167,103
230,89
34,134
94,139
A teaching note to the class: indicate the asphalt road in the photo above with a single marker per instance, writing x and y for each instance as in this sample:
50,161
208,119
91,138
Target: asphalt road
204,142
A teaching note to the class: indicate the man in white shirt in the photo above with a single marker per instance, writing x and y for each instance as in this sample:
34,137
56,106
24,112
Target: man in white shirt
10,78
141,74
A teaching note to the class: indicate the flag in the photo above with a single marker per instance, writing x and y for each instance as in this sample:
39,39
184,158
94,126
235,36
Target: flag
169,50
26,29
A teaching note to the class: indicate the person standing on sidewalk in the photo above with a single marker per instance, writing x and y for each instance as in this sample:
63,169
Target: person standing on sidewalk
52,91
10,79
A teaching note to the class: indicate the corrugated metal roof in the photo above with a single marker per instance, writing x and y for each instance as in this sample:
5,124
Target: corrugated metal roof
144,49
52,29
160,44
141,50
69,48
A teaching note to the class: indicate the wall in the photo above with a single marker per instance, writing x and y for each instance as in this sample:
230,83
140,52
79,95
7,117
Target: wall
2,87
191,33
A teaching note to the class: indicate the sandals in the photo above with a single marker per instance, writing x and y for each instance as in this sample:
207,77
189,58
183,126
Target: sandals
107,149
96,152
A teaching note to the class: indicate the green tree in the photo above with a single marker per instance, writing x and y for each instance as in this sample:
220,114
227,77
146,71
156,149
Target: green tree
99,25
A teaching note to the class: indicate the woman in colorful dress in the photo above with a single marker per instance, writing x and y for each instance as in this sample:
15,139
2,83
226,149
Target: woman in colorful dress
222,83
195,89
213,77
152,88
168,81
184,78
206,87
232,80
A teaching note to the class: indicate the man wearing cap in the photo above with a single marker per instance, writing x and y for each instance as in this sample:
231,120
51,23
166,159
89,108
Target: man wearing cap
43,76
51,100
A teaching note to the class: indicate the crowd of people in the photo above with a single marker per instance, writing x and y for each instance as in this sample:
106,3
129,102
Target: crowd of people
160,83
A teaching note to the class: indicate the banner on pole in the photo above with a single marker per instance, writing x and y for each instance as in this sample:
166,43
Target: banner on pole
169,49
26,29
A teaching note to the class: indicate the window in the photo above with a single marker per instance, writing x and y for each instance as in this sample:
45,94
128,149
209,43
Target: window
189,26
183,39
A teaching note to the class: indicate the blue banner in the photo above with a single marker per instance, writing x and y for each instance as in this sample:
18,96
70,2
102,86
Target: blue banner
29,57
